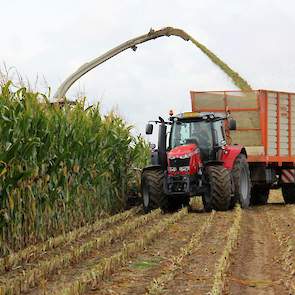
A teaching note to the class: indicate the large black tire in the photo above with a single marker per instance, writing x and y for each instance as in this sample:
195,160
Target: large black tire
218,195
242,181
288,191
259,195
153,196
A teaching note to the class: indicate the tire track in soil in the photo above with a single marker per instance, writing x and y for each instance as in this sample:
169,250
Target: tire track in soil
255,267
196,275
138,274
63,277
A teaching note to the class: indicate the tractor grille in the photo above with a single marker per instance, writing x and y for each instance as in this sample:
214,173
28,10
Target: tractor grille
179,162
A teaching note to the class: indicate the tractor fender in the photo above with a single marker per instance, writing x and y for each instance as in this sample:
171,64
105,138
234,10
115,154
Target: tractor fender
151,167
230,154
214,163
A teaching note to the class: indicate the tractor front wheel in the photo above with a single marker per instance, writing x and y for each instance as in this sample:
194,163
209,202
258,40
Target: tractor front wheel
218,195
153,196
242,181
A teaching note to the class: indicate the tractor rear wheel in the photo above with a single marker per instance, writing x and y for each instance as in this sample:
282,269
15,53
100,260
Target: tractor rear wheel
288,191
259,195
242,181
218,195
152,190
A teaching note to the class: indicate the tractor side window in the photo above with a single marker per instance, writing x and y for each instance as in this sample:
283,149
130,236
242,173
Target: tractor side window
181,132
219,133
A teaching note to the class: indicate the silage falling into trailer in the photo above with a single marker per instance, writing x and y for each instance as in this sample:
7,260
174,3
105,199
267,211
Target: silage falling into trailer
132,43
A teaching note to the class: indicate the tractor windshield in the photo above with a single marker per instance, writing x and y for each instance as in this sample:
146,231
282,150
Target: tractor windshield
198,132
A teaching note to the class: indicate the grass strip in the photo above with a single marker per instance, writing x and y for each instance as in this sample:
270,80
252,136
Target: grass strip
223,262
158,284
43,269
108,265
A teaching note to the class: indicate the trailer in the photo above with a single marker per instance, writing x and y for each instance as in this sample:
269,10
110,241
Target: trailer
265,127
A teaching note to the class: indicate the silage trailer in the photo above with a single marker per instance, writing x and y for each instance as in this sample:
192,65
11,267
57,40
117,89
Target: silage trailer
234,146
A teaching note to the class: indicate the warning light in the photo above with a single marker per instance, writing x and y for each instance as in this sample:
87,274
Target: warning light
171,113
189,115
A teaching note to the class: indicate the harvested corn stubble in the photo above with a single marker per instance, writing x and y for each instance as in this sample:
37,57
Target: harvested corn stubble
108,265
29,253
223,262
157,285
287,245
43,269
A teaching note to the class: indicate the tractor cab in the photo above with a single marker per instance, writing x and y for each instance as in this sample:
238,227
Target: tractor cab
197,161
205,131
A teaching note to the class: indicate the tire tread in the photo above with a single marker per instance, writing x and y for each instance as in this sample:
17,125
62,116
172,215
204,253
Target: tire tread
220,187
241,161
155,179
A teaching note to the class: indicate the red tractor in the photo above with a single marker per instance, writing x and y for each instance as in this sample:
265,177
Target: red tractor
197,162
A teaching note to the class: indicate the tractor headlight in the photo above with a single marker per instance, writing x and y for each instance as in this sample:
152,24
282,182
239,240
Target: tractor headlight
172,169
184,169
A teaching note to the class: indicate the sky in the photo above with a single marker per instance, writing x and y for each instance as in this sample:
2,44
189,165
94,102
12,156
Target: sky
49,40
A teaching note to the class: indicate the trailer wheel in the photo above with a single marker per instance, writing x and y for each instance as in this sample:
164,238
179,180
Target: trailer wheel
242,181
288,191
152,190
259,195
218,195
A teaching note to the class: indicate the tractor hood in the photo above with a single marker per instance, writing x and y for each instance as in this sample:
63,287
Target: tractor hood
183,160
182,150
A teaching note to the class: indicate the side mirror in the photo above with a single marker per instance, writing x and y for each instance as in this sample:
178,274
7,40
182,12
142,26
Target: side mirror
232,124
149,128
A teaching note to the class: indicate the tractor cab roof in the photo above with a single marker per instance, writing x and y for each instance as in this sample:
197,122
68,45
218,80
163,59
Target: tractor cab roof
187,116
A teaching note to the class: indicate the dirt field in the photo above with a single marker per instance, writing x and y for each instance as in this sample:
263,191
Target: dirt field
237,252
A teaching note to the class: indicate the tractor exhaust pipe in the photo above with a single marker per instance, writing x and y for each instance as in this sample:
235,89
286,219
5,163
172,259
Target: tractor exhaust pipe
162,138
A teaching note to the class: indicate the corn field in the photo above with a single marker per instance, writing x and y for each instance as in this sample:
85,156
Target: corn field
61,167
180,253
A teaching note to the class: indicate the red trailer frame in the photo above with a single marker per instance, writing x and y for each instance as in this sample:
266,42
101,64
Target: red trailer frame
262,108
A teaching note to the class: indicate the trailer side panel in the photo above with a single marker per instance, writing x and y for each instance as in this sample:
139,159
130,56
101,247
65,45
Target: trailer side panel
265,121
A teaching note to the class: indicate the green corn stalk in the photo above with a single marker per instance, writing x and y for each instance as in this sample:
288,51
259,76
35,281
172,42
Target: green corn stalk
60,168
